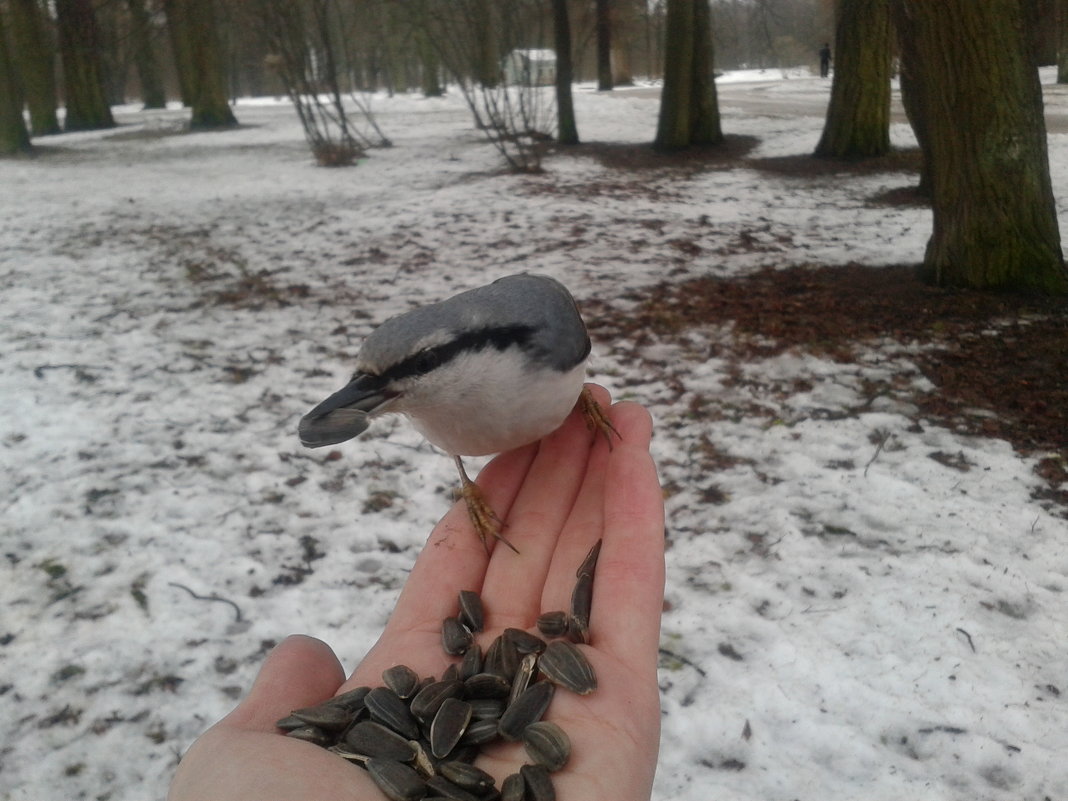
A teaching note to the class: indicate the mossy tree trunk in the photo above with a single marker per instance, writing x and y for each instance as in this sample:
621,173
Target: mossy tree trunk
603,14
35,58
858,115
689,109
995,222
199,51
84,87
142,39
14,138
1061,22
566,128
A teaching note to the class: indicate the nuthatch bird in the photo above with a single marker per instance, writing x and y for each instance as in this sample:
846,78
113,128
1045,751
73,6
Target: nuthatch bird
479,373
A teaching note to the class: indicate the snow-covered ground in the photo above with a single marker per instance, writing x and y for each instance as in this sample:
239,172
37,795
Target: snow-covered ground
880,628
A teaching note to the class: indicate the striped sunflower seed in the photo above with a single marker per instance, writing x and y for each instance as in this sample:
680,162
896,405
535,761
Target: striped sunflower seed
449,725
527,709
379,742
539,787
547,744
471,613
399,782
553,624
402,680
564,664
388,709
455,639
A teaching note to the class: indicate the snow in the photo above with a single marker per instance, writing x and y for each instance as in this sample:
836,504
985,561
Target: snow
881,624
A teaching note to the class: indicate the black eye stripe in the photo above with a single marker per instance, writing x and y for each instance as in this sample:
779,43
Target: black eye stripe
432,358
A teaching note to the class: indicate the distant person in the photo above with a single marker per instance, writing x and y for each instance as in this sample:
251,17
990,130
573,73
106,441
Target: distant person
825,60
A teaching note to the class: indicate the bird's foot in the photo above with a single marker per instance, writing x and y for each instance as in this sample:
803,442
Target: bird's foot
483,518
596,417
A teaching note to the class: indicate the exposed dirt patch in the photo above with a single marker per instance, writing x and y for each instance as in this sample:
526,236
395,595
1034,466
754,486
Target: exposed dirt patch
1003,355
622,156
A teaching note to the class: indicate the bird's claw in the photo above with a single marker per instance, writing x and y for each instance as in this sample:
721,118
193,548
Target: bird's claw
483,518
595,416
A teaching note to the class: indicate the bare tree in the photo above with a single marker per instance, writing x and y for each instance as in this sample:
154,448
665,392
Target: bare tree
514,106
303,40
995,222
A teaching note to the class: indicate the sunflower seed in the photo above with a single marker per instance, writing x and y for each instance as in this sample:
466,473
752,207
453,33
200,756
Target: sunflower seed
578,624
388,709
377,741
525,642
513,788
480,732
466,776
290,722
539,785
487,685
553,624
471,614
564,664
501,658
402,680
446,789
589,564
523,677
472,662
399,782
351,700
483,708
455,639
547,744
451,673
449,725
311,734
325,716
529,707
428,700
423,762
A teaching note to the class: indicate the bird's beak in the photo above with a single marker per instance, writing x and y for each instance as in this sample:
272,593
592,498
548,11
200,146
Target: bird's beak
345,414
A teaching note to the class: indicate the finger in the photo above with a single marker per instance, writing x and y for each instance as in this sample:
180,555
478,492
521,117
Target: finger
585,524
514,583
453,558
628,589
301,671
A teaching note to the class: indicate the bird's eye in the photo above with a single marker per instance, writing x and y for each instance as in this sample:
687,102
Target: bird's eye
425,361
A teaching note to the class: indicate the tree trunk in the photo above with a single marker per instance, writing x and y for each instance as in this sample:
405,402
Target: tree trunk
995,222
704,125
33,53
430,67
604,45
83,71
1061,22
674,124
183,56
858,115
689,109
194,23
14,139
567,130
141,38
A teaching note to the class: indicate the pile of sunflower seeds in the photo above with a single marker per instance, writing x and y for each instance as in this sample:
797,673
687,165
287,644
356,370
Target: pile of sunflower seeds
418,738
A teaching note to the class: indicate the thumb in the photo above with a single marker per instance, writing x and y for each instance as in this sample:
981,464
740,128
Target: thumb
300,671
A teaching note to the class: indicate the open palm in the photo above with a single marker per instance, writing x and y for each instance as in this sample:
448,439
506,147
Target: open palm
557,498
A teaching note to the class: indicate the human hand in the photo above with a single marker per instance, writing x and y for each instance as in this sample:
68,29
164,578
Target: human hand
557,498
